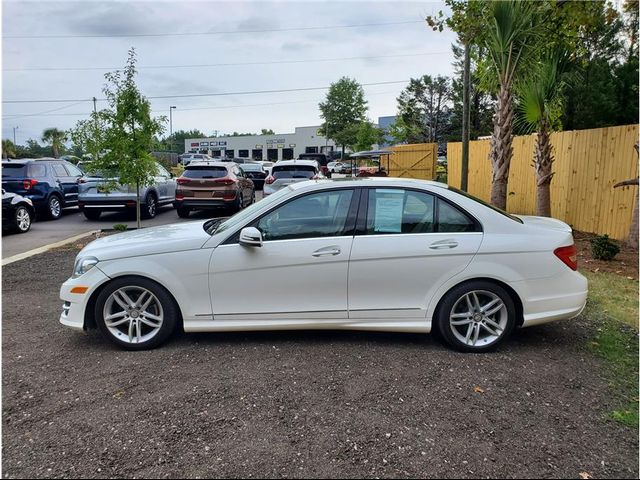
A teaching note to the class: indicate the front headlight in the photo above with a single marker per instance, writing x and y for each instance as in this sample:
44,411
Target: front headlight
83,265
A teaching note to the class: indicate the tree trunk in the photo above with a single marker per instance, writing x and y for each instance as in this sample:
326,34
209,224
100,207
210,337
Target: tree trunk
542,163
632,240
466,81
54,147
138,223
501,146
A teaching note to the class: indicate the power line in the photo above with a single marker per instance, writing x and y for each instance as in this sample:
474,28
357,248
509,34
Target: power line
193,95
143,67
220,32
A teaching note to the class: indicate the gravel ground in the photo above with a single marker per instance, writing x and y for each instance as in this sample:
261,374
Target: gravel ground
328,404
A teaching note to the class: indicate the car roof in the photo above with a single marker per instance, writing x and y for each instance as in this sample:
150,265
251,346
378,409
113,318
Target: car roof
369,182
310,163
27,160
208,163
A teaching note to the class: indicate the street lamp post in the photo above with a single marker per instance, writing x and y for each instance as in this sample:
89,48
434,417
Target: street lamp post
14,135
171,125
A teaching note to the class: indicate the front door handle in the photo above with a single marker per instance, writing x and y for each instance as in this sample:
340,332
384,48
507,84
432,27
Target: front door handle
326,251
442,244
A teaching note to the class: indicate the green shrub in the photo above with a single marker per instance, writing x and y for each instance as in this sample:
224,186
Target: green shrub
604,248
120,227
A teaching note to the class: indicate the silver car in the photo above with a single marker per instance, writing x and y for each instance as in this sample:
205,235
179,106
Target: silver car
286,172
96,195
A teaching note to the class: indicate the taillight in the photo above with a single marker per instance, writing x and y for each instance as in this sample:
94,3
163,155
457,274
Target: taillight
568,255
269,180
82,180
182,181
29,183
224,181
179,196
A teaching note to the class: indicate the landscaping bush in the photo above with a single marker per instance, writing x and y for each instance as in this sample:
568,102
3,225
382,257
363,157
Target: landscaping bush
120,227
603,248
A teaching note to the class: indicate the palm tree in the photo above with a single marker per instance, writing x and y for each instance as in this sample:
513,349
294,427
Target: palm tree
8,149
509,43
539,97
55,138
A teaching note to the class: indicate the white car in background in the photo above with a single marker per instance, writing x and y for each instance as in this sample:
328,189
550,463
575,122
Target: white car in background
382,254
288,172
186,158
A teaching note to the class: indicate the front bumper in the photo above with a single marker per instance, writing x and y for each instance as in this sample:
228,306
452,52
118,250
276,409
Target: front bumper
75,304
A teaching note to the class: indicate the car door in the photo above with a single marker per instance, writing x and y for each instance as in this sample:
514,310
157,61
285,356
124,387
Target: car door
300,271
164,185
67,183
407,244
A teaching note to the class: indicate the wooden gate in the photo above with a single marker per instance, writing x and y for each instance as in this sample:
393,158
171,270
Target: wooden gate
415,160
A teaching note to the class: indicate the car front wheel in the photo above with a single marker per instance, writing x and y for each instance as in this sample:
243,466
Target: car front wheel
476,316
135,313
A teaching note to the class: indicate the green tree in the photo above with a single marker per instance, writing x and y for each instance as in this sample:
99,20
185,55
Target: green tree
510,43
343,110
540,106
89,136
176,141
266,131
367,135
55,138
8,149
129,130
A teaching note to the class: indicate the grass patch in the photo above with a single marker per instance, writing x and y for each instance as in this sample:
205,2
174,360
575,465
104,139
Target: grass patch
613,304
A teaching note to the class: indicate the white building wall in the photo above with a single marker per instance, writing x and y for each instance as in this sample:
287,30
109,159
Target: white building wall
298,142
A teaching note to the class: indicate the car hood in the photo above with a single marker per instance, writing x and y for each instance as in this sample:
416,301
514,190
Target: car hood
149,241
545,222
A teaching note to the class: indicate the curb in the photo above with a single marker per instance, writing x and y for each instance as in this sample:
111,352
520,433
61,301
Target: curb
39,250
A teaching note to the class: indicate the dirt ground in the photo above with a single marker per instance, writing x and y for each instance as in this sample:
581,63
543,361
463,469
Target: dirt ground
312,404
624,264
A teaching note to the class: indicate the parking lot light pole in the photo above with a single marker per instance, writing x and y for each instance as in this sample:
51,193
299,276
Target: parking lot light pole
14,135
171,125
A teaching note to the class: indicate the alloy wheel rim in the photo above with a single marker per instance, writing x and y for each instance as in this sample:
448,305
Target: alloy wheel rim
23,219
478,318
133,314
54,206
151,206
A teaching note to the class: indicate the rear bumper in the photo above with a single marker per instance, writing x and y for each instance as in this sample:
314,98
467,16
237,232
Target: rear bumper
116,205
203,203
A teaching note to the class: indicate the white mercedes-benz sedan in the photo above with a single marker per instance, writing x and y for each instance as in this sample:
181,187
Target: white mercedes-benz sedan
378,254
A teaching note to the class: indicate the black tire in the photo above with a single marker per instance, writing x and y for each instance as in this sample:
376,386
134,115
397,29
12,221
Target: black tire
54,207
485,291
184,212
92,214
150,207
253,198
169,308
239,203
22,219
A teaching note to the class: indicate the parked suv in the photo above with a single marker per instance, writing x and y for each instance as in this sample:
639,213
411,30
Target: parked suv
286,172
101,192
49,183
205,185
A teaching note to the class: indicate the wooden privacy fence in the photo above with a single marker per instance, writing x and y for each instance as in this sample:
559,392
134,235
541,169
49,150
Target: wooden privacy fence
587,165
415,160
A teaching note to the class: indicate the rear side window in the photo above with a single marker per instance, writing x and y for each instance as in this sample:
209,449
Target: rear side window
450,219
293,171
37,170
59,170
73,170
205,172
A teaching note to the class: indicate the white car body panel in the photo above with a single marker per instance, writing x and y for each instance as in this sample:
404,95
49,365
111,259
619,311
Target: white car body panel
382,282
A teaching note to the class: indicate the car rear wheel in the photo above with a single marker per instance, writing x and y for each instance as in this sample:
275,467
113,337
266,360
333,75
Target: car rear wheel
476,316
150,206
136,313
54,207
92,214
183,212
22,219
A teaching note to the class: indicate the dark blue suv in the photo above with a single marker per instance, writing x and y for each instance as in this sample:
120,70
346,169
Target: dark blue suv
51,184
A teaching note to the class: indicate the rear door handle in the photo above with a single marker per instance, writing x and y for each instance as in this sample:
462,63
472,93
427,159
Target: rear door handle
442,244
326,251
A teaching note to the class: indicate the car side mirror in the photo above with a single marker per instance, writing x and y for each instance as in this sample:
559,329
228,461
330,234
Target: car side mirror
250,237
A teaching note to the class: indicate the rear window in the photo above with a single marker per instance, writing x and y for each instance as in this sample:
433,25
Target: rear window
321,159
293,171
251,167
205,172
14,170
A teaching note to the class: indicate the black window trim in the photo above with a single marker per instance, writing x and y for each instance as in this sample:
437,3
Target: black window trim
361,222
350,223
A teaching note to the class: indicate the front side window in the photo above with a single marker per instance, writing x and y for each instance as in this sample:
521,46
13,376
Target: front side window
322,214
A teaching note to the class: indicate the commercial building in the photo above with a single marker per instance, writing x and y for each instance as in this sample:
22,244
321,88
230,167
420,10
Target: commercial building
283,146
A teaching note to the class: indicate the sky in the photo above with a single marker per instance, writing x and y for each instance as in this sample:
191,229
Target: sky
280,39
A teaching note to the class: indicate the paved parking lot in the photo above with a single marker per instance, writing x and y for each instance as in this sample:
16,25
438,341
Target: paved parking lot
74,223
307,404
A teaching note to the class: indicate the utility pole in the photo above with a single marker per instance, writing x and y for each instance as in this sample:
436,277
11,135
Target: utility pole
14,135
171,125
466,91
95,110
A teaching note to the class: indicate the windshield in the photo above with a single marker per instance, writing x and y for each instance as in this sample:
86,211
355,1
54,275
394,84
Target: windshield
205,172
482,202
293,171
241,216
